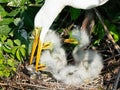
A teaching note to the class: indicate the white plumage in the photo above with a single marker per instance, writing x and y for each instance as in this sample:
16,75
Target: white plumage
88,63
51,8
46,16
54,59
89,60
69,75
87,67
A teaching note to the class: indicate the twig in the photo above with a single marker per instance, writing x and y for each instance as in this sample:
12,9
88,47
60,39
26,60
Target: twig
107,31
111,57
116,81
6,84
32,85
23,84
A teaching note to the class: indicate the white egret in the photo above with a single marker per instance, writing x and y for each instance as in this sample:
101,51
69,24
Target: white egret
47,14
54,58
88,62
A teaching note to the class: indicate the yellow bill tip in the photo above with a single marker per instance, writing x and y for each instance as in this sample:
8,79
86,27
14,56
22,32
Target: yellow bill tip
47,45
41,67
71,41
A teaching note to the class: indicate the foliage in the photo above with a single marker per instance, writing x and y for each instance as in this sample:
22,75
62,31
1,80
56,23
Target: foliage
14,42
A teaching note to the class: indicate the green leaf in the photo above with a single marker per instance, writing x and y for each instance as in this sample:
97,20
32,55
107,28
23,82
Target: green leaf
18,55
10,62
22,2
6,72
9,42
17,21
2,12
4,1
1,73
23,51
1,55
14,49
6,21
1,51
6,48
23,46
1,61
13,13
99,31
4,30
97,42
2,38
115,35
74,13
14,69
17,42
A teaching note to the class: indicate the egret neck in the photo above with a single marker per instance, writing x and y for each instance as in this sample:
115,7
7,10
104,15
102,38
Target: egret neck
44,18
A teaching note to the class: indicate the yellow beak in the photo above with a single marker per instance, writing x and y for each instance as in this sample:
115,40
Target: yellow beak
37,45
71,41
47,45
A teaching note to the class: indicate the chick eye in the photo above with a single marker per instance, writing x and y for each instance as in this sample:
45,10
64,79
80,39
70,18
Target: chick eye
71,73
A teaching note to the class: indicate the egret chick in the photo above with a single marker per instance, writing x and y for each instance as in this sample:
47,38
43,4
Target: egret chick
54,58
90,61
68,75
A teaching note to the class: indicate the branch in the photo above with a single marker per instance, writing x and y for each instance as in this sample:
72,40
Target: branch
116,81
23,84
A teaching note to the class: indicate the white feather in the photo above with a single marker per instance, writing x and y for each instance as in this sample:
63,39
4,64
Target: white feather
88,63
81,36
54,59
68,75
89,60
51,8
54,38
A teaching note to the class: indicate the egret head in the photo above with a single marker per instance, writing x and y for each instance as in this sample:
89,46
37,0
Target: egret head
78,37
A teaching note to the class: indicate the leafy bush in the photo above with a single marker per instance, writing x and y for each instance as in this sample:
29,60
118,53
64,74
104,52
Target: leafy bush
14,18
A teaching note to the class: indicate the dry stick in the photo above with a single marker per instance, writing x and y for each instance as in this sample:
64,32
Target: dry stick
115,45
111,57
24,84
6,84
116,81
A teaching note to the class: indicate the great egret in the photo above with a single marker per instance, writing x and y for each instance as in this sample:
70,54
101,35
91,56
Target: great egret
47,14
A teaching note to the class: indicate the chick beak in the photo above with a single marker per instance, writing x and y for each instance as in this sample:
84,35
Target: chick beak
47,45
71,41
37,45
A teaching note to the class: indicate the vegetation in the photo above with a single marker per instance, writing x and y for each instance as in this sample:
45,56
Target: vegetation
17,24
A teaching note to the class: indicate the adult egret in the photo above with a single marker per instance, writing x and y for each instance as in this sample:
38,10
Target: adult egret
47,14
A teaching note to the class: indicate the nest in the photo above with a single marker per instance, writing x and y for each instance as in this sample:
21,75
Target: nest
22,80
